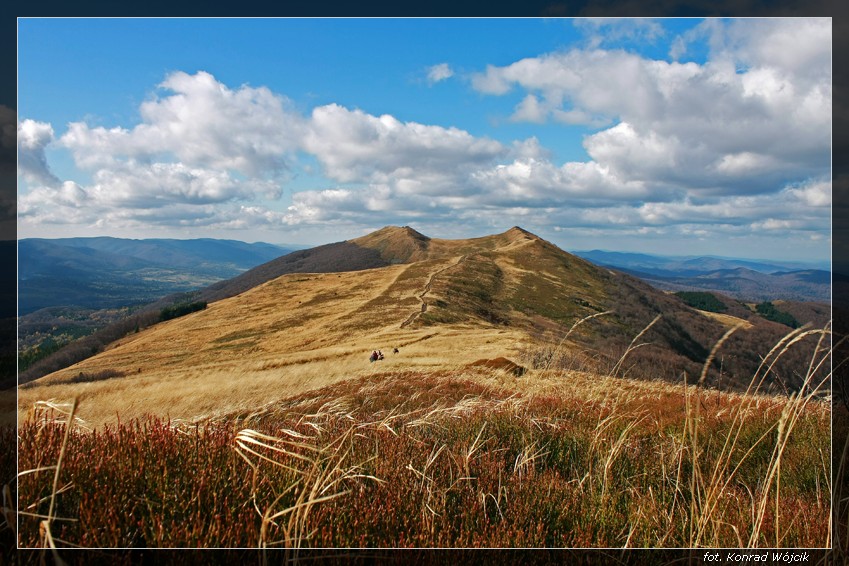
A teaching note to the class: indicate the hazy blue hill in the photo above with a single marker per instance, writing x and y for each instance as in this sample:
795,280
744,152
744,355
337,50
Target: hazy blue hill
809,276
101,273
43,258
198,253
717,264
689,265
748,280
643,262
747,284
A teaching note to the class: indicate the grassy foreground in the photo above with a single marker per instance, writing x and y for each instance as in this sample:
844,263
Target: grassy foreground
442,459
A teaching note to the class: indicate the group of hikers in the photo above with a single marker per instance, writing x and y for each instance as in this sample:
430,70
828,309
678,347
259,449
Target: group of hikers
378,355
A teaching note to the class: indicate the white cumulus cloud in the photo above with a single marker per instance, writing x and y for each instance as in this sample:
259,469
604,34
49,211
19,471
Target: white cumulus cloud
200,144
738,144
355,146
33,138
754,117
200,122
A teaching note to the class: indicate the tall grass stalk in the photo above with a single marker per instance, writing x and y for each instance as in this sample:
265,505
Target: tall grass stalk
319,473
790,414
428,488
692,429
615,449
566,336
470,452
523,465
47,535
708,486
632,346
775,354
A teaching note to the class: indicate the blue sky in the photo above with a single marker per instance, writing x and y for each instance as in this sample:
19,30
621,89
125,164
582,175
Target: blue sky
662,136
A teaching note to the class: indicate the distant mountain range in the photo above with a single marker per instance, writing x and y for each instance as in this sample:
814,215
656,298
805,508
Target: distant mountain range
748,280
104,273
100,273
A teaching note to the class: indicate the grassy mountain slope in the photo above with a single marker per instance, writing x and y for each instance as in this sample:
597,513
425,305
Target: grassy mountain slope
271,427
329,258
444,303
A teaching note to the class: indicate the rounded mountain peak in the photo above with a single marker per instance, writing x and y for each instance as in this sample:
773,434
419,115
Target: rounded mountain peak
396,244
394,231
517,233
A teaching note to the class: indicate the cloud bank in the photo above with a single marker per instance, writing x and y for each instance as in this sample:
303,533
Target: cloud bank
739,143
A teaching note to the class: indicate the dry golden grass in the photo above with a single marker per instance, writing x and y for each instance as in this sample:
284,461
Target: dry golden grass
632,463
305,331
293,334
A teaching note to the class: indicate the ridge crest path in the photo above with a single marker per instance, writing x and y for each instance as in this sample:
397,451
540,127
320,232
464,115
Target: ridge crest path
427,289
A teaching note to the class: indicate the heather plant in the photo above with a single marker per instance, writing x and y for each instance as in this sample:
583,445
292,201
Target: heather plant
450,458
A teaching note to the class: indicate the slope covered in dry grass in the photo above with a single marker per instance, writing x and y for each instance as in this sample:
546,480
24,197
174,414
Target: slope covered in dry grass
292,334
442,303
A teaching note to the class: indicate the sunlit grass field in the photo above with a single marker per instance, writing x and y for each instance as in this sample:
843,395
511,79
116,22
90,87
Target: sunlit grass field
293,334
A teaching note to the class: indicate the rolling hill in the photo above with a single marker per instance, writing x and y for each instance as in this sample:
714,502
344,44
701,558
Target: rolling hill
311,318
747,284
650,263
748,280
101,273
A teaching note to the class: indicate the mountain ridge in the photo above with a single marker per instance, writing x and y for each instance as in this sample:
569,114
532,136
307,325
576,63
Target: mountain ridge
387,246
511,295
696,263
